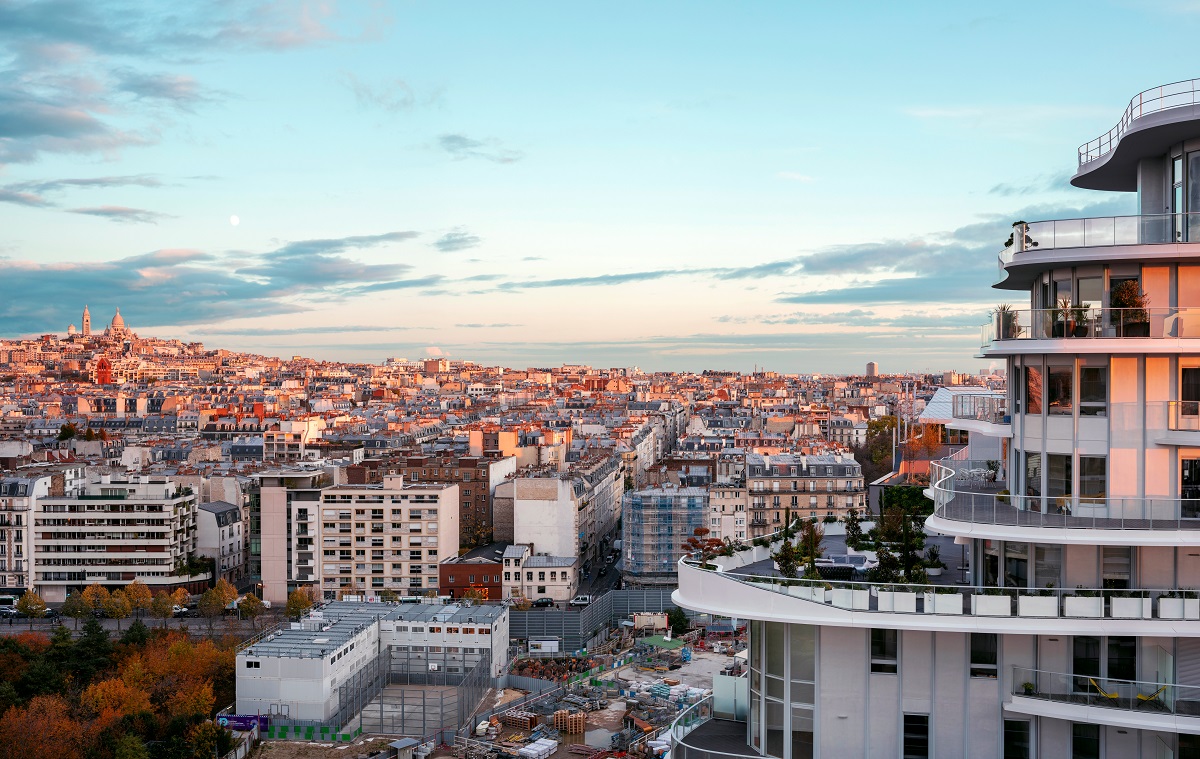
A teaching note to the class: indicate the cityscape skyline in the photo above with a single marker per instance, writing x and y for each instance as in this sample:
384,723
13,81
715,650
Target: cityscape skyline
688,187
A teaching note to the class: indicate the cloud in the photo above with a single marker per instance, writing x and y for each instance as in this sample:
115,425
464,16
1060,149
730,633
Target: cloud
8,195
339,244
433,350
794,176
1039,184
462,147
393,95
53,185
455,241
180,91
321,330
123,214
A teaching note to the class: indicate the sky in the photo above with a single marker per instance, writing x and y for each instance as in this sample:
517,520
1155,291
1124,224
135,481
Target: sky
678,186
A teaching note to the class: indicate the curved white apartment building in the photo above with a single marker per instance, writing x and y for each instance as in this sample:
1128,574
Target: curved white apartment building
1079,632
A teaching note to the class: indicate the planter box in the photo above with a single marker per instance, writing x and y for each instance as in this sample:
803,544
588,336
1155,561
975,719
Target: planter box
1129,608
991,606
898,601
846,598
1037,606
933,571
1179,608
943,603
1083,606
808,592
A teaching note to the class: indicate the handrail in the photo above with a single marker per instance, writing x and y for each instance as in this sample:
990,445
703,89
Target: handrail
1143,696
1080,322
1064,512
688,720
1154,100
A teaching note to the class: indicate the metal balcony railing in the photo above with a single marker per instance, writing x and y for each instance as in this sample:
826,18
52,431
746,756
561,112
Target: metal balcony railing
1078,322
1154,100
1141,696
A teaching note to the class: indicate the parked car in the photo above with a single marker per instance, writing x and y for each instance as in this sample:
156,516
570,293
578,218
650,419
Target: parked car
544,602
581,601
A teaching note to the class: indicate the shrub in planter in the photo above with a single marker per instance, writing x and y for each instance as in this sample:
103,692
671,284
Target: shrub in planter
1028,688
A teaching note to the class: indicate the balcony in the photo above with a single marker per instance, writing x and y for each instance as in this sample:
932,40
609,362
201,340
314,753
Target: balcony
1133,704
1009,329
698,734
1154,100
964,497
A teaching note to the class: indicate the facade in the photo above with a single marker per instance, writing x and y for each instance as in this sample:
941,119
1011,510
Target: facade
727,510
459,575
533,576
1078,634
392,536
283,524
220,536
807,486
114,531
477,478
656,524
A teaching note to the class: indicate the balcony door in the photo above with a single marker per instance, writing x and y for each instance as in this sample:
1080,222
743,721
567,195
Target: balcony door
1189,398
1189,485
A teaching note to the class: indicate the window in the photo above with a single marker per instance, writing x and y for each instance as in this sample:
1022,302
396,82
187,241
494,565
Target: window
1093,390
1058,389
1058,481
1092,477
1033,390
1189,746
916,736
983,655
1016,739
1085,741
883,651
1122,658
253,665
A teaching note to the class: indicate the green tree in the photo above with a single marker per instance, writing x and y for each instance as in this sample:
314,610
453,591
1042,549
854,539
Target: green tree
76,608
90,435
32,606
137,634
854,533
130,746
251,608
677,619
67,431
787,558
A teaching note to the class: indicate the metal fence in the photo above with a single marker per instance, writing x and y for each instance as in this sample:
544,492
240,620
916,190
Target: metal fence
587,627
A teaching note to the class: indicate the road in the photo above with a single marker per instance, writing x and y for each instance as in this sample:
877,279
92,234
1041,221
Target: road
196,626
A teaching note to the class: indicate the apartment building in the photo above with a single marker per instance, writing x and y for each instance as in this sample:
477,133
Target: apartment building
114,531
220,536
727,510
477,478
807,486
392,536
655,525
531,575
283,524
477,573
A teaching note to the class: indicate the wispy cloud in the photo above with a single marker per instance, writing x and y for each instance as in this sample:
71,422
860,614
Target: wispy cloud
462,147
54,185
455,241
123,214
181,91
392,95
8,195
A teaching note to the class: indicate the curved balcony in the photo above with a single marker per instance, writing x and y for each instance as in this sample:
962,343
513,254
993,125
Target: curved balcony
1133,704
697,733
985,413
749,592
968,504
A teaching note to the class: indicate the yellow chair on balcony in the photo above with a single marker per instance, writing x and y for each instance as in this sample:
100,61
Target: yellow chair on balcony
1153,698
1114,697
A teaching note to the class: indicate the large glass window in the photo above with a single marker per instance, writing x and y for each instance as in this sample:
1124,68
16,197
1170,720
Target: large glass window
1033,390
1085,741
1058,482
1116,566
916,736
1016,739
1093,478
1093,390
1085,662
1189,746
1189,393
1047,565
1059,396
1016,565
983,654
884,647
1122,658
1033,477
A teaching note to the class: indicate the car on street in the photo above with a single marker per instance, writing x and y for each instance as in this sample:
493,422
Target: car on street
544,602
581,601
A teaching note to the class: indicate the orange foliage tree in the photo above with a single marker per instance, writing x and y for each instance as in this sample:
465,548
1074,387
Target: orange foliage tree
43,729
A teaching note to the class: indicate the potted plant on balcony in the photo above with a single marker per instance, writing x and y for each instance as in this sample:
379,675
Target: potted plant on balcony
1041,603
1081,317
1129,303
1006,319
1064,318
933,562
1129,604
1028,688
1084,603
993,602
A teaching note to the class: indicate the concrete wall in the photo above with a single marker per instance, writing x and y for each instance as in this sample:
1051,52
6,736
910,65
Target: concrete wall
273,521
544,514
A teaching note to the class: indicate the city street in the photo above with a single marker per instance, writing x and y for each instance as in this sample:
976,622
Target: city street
196,626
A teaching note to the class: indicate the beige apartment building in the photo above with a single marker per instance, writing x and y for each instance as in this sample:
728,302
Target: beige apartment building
808,486
386,537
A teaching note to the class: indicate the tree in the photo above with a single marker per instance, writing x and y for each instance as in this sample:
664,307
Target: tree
701,545
89,435
811,542
787,558
854,534
117,607
251,608
225,591
298,602
162,607
179,597
137,634
43,729
211,606
925,444
95,594
678,621
139,596
67,431
32,606
76,608
130,746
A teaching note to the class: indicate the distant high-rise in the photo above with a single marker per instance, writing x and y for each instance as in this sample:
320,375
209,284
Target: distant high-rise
87,322
872,369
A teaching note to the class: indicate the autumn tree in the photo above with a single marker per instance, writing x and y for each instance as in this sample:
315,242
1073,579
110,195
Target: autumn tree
701,545
139,596
76,608
298,602
179,597
117,607
225,591
32,606
162,607
95,594
43,729
211,607
251,608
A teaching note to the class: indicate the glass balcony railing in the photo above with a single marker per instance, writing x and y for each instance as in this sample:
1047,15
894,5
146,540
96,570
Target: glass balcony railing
981,407
1140,696
963,492
1156,99
1084,323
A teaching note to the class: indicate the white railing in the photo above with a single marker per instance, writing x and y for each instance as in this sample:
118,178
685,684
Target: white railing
1154,100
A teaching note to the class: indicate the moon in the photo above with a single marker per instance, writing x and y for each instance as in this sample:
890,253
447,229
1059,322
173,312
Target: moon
234,220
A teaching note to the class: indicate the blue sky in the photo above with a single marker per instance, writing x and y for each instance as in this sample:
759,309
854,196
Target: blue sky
673,185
